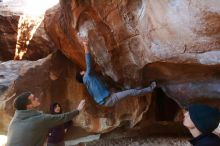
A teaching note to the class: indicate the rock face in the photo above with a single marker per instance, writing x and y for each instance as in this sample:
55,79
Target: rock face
187,83
8,29
133,42
126,35
127,38
40,45
51,79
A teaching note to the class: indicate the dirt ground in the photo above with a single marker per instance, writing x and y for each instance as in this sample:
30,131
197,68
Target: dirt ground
158,134
151,141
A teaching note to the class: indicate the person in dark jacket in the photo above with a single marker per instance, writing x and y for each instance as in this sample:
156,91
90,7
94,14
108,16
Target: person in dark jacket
56,134
202,120
29,127
97,89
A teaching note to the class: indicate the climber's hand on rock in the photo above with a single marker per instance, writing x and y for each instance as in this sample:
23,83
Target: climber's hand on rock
153,85
85,46
81,105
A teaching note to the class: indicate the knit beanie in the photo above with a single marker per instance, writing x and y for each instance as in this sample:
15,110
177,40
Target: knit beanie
204,117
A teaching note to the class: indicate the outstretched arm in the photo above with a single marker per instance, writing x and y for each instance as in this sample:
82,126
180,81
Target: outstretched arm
50,121
88,58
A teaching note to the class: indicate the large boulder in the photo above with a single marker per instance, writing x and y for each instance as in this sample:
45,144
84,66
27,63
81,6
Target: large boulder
52,79
126,35
130,39
133,42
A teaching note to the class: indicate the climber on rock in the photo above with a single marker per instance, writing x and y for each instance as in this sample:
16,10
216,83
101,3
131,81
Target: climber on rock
99,91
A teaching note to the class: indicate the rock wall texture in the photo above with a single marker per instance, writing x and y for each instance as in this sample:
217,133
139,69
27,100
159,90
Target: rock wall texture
133,42
125,35
40,46
175,42
52,79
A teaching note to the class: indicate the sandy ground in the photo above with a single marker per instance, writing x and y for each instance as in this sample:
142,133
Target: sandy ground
157,134
152,141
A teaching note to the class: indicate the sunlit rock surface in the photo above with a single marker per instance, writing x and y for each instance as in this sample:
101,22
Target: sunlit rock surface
52,79
133,42
40,46
125,35
127,38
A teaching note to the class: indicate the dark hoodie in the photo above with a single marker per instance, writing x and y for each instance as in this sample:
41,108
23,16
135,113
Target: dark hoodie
56,134
206,140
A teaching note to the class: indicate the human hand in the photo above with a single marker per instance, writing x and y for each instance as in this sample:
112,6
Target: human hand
153,85
217,130
85,46
81,105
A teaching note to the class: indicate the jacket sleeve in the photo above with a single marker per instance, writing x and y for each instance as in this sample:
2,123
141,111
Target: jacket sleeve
88,63
50,120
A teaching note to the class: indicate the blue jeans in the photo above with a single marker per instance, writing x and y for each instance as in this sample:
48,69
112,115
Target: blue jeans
115,97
